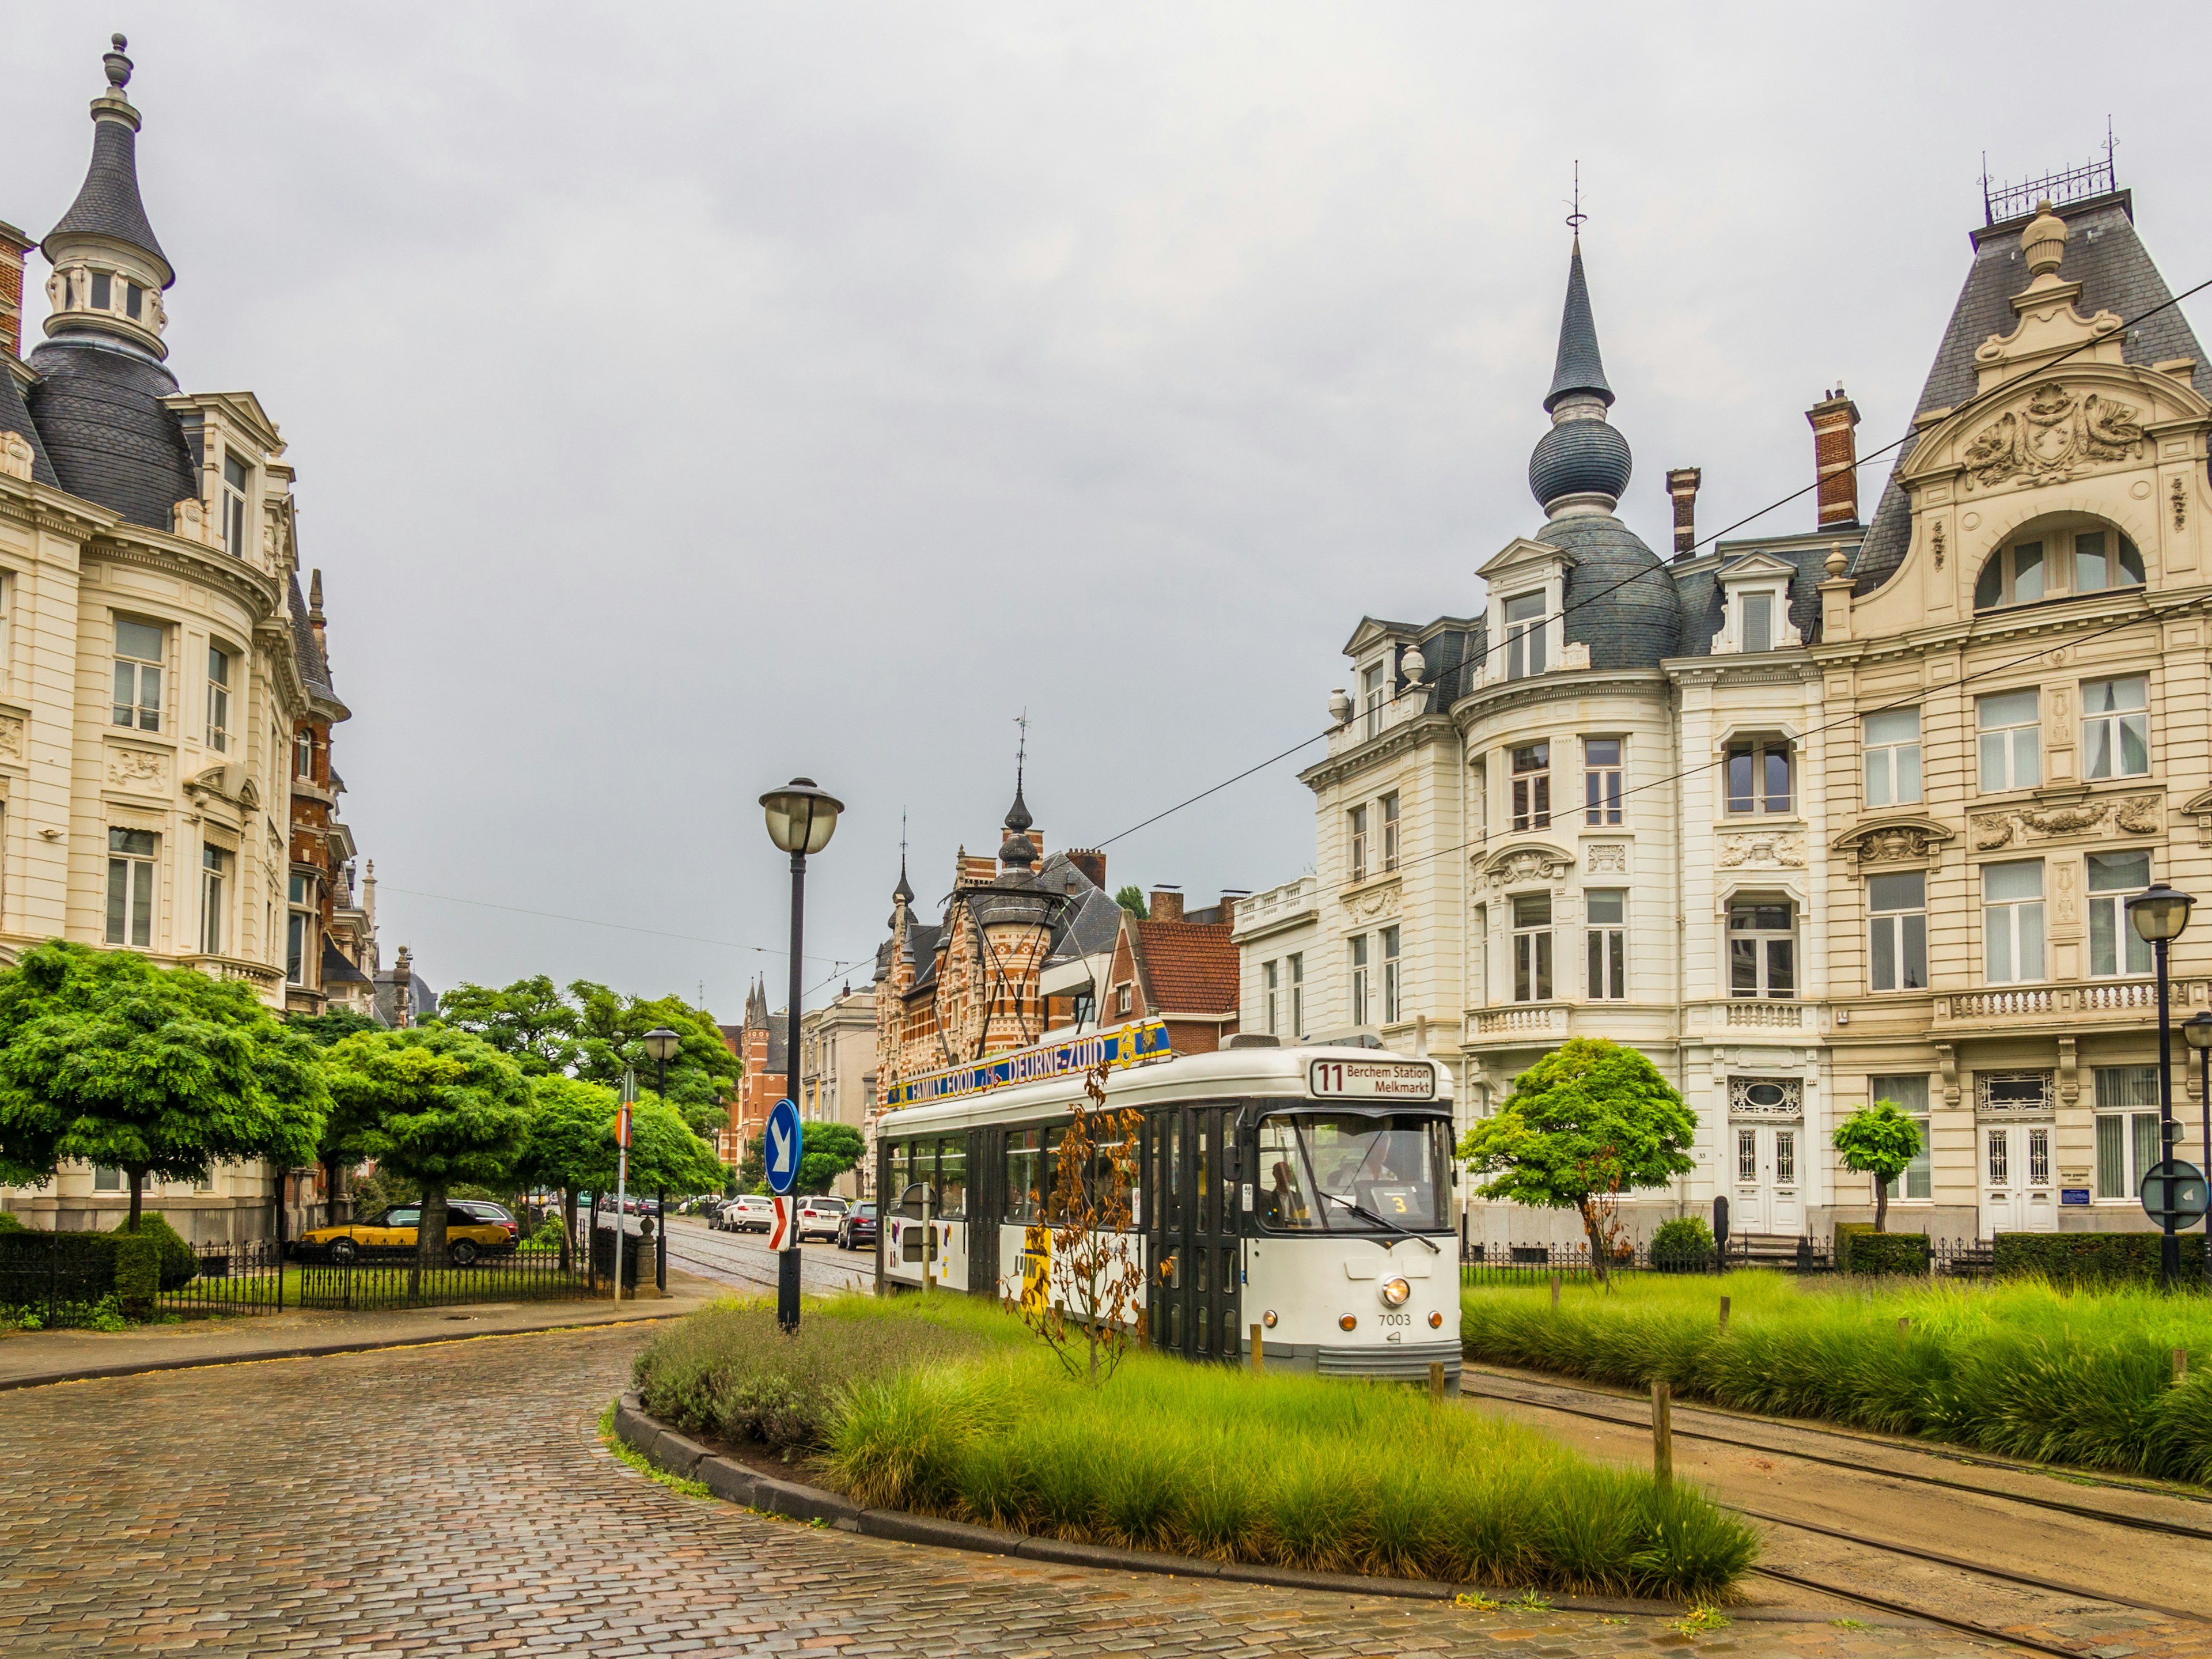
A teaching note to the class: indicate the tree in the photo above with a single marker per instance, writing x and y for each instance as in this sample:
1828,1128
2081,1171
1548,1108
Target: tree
531,1021
1083,1273
1879,1140
826,1151
333,1026
158,1072
569,1145
435,1105
702,1073
1132,899
1591,1121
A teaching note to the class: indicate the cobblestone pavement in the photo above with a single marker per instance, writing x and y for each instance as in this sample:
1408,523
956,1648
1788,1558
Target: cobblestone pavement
457,1500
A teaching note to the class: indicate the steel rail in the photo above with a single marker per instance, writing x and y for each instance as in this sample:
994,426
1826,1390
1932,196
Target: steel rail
2011,1638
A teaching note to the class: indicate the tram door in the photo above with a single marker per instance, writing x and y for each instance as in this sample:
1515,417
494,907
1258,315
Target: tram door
987,1205
1192,1231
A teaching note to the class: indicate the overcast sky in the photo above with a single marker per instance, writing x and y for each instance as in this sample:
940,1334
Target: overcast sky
685,397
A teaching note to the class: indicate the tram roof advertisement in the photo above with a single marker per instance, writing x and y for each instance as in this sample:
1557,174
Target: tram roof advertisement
1124,1046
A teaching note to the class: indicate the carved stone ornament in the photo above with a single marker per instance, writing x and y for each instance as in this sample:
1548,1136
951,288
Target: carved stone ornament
1605,857
137,768
1522,866
1373,902
2013,1094
2131,815
2179,496
11,736
2052,435
1935,536
1773,850
1917,839
2199,806
16,456
1767,1097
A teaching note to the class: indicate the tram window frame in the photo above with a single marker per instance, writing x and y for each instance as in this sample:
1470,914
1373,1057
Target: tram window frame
1024,1197
1326,1218
952,1156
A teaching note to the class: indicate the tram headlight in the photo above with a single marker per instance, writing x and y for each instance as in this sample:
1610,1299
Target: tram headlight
1436,1322
1395,1292
1346,1322
1269,1319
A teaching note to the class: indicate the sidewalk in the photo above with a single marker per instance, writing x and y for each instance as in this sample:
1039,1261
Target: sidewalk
29,1359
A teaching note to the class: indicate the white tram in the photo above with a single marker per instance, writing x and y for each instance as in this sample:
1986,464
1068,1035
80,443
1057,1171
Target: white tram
1304,1190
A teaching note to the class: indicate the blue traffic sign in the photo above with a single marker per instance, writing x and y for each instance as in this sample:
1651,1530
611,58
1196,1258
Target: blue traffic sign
783,1146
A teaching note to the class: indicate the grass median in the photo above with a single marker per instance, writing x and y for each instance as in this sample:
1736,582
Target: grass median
953,1411
2021,1369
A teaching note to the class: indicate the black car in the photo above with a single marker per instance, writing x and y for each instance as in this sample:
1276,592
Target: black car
859,1226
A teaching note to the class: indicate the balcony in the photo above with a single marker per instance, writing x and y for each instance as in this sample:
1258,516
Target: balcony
2100,1002
1521,1019
259,975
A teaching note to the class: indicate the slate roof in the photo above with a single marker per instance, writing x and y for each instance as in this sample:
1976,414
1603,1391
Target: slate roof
337,970
779,1046
16,417
1578,367
1190,967
1453,657
1697,582
112,440
2106,256
307,650
1619,600
107,203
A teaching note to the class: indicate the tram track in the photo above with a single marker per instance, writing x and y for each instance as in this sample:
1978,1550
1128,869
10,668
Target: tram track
726,1256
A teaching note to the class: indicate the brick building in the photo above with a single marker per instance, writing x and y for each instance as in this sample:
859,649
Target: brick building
761,1045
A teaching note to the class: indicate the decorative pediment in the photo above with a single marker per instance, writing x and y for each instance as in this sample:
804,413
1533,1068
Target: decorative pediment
2054,432
1912,839
1521,555
1756,567
1370,902
2199,806
1373,632
232,783
1525,863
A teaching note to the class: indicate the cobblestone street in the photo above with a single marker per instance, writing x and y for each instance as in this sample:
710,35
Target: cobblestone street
456,1499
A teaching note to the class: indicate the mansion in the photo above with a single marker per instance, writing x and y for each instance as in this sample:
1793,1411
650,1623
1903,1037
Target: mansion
1814,819
166,697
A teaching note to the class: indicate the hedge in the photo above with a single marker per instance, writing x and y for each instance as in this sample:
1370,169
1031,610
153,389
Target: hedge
65,1267
179,1265
1859,1250
138,1272
2093,1258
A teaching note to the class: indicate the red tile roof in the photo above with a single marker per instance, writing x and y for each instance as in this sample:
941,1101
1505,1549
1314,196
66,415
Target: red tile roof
1191,966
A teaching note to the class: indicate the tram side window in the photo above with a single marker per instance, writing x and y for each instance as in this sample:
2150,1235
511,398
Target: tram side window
914,1168
1025,1186
953,1176
1282,1166
1049,1174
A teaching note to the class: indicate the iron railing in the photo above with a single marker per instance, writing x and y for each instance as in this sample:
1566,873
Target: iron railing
67,1281
375,1285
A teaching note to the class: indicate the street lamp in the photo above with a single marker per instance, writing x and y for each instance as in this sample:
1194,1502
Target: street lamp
661,1044
801,818
2198,1030
2158,914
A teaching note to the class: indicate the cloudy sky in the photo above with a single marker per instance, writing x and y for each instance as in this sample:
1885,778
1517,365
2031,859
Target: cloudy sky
685,397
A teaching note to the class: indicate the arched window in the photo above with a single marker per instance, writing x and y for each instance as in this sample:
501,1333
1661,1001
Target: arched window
2057,562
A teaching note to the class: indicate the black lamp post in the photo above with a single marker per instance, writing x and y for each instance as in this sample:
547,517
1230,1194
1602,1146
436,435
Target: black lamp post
661,1044
2158,914
2198,1030
801,817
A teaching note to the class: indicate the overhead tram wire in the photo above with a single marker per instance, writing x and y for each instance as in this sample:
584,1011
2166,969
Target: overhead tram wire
1660,572
837,963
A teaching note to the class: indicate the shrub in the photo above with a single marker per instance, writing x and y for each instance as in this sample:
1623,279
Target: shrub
11,1224
178,1264
1860,1249
1684,1244
36,1266
137,1272
2083,1258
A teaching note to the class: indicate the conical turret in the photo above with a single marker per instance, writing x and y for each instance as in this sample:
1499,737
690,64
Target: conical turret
109,268
1582,465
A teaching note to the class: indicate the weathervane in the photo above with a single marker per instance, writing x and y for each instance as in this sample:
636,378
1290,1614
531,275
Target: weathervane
1576,217
1021,749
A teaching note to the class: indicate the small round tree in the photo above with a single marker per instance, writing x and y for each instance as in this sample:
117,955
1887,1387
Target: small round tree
1881,1141
1589,1121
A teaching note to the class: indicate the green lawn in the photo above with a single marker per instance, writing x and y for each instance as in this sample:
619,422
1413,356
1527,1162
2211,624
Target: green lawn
954,1409
2020,1369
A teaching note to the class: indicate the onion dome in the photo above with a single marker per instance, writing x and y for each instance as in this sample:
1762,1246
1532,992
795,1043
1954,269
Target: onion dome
1583,458
1582,465
1017,815
1018,852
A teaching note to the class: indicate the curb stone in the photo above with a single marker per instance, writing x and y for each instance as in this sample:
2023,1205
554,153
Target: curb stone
733,1483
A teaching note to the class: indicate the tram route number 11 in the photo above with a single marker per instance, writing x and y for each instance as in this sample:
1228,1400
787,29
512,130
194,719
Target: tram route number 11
1371,1080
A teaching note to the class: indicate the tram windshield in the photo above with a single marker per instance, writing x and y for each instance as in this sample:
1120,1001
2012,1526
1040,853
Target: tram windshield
1323,1173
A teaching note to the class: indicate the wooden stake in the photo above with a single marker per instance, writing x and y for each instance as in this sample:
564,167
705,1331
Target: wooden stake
1904,1327
1662,1434
1724,1310
1555,1291
1259,1355
2180,1366
1437,1382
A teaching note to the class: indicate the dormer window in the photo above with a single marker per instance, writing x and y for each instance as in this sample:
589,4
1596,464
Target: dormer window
1374,692
2051,564
1757,621
235,475
1524,635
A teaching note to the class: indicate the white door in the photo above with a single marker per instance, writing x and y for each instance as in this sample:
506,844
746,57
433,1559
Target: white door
2016,1195
1767,1198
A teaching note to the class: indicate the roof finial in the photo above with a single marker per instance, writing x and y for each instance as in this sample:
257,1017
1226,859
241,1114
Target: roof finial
315,598
1576,217
1017,815
903,893
116,65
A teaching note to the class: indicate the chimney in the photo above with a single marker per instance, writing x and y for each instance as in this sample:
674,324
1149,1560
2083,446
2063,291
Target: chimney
1682,484
1091,862
1165,905
1835,420
1227,914
13,247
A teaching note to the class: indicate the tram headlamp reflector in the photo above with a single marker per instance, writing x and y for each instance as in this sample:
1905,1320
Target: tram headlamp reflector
1269,1319
1436,1322
1346,1322
1395,1292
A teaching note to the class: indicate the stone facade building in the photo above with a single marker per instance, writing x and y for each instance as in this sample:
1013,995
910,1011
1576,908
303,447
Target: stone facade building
1816,818
166,698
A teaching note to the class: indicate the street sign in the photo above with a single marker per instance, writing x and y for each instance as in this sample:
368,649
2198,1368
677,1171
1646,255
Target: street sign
782,1231
783,1148
2175,1188
622,1126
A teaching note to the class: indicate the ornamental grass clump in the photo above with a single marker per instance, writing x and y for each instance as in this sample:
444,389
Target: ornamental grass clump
2022,1370
1326,1475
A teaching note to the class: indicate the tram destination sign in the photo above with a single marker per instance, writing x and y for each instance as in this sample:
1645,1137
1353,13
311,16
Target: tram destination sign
1125,1045
1370,1079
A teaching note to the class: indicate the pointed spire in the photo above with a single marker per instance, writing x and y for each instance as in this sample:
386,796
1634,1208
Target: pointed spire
904,891
1017,815
315,598
108,205
1578,371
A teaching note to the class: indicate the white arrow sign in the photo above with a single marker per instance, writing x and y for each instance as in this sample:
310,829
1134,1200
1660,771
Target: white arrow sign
779,1144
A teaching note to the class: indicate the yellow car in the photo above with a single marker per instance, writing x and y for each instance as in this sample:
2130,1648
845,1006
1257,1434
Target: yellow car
393,1233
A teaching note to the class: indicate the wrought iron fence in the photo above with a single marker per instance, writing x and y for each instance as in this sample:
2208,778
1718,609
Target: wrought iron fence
372,1286
1538,1264
67,1281
228,1279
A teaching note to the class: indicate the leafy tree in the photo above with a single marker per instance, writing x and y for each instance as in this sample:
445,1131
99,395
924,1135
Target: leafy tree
702,1073
323,1029
1879,1140
1591,1121
434,1105
530,1020
334,1025
158,1072
826,1151
1132,899
571,1145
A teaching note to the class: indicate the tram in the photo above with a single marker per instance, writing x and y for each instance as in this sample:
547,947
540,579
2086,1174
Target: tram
1305,1191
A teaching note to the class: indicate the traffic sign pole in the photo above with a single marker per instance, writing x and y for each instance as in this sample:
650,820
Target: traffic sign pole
784,1146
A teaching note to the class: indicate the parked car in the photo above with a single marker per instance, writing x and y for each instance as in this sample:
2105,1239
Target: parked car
712,1208
748,1212
483,1210
396,1232
858,1226
819,1217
